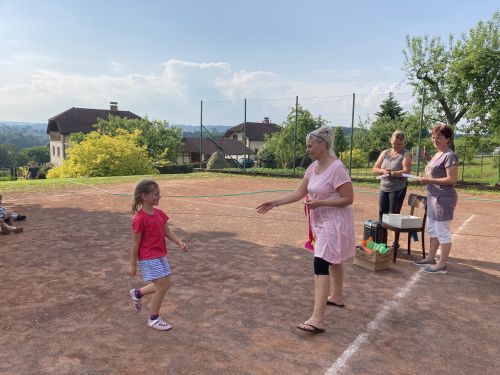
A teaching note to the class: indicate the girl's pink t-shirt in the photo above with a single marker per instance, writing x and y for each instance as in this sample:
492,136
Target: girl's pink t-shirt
152,229
333,227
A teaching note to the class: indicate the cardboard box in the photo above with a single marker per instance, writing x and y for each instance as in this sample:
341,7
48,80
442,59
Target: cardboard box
373,261
402,221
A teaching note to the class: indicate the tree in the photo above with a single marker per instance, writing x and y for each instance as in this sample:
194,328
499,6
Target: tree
461,77
9,157
467,147
390,108
162,141
281,145
102,155
40,154
361,135
339,140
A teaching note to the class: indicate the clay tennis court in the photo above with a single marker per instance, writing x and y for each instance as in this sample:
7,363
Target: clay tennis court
239,292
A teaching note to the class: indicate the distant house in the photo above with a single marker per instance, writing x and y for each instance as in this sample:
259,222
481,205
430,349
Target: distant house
230,148
255,133
76,120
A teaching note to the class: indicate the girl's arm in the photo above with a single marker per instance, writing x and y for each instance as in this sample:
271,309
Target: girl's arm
450,179
172,237
134,253
289,198
346,198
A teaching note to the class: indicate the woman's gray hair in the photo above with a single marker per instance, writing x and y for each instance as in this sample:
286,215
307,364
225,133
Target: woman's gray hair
324,134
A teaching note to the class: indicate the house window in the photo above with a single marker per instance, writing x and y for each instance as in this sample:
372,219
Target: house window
54,150
58,151
195,156
235,136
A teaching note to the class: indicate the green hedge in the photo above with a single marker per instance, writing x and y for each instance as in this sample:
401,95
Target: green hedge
174,169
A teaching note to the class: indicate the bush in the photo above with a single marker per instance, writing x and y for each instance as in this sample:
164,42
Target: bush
359,158
217,161
104,155
175,169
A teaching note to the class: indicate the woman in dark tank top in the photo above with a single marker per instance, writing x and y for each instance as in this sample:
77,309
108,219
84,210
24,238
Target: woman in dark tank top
390,165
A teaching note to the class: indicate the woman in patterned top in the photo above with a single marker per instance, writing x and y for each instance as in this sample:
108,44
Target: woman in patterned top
440,177
390,165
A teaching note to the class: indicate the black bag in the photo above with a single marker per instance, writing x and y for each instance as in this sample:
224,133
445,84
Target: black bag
375,230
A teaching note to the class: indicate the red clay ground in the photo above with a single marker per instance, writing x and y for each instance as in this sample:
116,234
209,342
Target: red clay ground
239,291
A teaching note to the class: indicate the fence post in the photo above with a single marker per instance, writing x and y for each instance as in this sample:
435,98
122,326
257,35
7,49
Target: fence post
420,132
463,163
245,135
201,133
352,131
295,132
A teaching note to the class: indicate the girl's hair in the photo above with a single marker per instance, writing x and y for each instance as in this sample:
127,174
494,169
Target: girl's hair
143,187
399,135
324,134
444,130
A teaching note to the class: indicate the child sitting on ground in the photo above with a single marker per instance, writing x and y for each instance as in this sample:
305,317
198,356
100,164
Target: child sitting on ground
6,218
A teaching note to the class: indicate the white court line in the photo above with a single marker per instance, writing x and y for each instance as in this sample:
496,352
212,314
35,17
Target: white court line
341,362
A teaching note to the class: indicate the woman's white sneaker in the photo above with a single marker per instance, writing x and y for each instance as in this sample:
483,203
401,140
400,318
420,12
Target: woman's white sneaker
443,269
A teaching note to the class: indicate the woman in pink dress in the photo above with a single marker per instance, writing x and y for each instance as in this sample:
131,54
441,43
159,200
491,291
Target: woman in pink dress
329,195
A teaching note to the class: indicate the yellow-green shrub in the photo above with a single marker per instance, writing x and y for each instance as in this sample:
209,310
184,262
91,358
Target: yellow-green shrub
359,158
105,155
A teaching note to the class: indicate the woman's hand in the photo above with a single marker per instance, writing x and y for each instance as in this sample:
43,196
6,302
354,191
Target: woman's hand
132,270
266,206
312,203
423,180
182,246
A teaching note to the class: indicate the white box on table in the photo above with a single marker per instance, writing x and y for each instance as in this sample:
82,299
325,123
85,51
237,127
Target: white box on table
402,221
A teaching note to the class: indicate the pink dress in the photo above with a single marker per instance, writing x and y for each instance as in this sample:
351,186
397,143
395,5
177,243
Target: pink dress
333,227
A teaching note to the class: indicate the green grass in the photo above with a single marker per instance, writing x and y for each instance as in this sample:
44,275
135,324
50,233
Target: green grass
367,180
34,185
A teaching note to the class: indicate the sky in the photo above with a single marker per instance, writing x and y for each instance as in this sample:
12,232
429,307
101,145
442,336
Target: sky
160,59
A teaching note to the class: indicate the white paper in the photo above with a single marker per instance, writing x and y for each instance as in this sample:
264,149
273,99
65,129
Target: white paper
412,176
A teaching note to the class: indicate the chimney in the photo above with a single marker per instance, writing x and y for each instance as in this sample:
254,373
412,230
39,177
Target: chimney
113,106
266,120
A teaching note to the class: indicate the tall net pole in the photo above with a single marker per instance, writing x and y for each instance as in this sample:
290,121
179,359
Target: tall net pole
201,133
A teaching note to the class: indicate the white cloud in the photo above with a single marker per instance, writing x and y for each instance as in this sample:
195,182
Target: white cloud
175,93
117,67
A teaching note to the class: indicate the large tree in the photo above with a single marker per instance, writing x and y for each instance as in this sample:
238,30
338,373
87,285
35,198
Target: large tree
461,76
10,157
390,108
161,140
340,140
279,148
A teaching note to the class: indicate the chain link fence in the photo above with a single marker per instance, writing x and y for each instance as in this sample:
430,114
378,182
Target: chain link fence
353,113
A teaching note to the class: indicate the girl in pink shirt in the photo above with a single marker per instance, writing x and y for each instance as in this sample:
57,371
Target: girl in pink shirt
149,250
329,195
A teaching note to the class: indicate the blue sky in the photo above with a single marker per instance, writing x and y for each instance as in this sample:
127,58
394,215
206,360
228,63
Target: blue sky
160,58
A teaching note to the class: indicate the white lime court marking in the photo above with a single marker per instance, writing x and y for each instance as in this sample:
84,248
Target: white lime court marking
341,362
